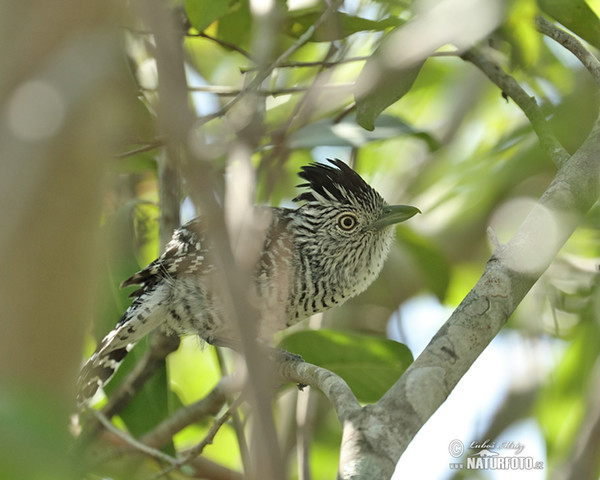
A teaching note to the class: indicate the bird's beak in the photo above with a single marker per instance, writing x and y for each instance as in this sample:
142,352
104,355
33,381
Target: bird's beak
391,214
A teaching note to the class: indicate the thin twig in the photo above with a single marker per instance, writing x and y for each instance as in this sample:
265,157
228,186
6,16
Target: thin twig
345,112
211,404
106,423
208,439
262,75
232,92
144,148
531,109
223,43
568,41
323,64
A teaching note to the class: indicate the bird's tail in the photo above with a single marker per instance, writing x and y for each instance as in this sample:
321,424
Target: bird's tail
102,365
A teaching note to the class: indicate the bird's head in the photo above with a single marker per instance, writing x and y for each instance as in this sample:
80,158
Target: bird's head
340,201
342,232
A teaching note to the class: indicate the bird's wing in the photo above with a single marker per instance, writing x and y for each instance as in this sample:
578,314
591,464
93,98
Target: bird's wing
185,254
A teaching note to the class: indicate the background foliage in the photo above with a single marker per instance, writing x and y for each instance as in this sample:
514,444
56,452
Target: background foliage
435,133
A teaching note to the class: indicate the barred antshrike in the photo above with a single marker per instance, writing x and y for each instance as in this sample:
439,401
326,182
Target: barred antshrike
314,257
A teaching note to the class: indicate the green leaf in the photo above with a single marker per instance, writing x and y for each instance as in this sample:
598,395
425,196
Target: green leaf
577,16
562,402
378,87
370,365
520,32
337,26
150,406
432,263
202,13
348,134
236,26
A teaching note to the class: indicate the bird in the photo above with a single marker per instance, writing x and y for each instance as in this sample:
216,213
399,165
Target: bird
314,257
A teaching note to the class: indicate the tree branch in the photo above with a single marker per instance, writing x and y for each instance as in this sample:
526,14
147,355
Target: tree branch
568,41
388,426
334,387
531,109
225,91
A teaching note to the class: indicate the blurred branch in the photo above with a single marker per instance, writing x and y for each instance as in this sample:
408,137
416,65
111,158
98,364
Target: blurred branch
132,442
231,280
231,92
204,468
223,43
322,63
238,424
211,404
264,73
144,148
568,41
199,448
306,406
511,88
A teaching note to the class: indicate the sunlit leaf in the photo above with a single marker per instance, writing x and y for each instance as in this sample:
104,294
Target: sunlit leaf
337,26
577,16
370,365
521,32
432,263
348,134
378,87
202,13
236,26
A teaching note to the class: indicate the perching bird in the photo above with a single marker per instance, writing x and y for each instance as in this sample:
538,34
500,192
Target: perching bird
329,249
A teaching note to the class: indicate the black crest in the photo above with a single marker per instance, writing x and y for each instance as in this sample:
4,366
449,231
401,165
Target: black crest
342,183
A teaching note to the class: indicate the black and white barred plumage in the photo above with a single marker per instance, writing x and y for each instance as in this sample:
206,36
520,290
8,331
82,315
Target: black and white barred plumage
314,257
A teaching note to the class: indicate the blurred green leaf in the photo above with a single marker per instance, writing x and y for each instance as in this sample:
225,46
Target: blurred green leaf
193,370
141,162
432,263
577,16
348,134
236,26
336,27
521,33
562,403
34,437
151,404
378,87
370,365
202,13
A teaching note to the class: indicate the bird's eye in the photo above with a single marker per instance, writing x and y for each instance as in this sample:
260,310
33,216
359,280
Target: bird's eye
347,221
